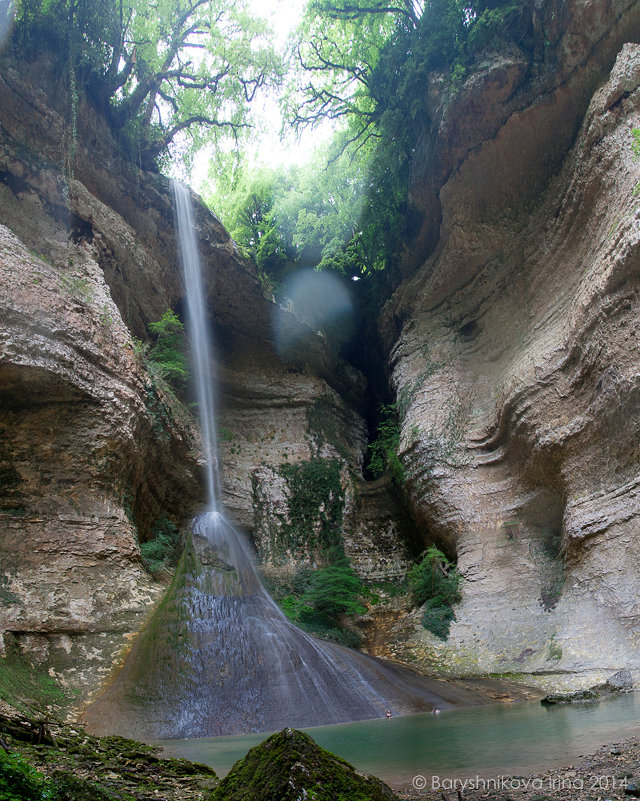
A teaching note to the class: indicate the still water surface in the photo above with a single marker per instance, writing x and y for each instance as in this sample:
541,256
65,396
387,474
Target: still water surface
487,741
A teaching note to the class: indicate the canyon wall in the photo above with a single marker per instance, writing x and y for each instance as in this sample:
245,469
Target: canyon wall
95,449
515,359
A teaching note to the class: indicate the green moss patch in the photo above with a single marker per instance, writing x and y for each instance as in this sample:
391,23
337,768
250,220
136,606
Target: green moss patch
316,505
289,766
28,688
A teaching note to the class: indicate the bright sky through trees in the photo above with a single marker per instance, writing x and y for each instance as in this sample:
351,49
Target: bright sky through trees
268,148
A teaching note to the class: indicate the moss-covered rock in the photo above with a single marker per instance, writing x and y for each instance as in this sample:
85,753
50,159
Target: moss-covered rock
290,766
56,762
67,787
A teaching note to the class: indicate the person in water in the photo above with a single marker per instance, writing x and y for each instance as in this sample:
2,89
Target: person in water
388,713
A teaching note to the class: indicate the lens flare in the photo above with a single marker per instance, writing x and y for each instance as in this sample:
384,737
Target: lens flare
316,302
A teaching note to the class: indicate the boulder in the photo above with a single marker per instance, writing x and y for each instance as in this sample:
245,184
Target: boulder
289,766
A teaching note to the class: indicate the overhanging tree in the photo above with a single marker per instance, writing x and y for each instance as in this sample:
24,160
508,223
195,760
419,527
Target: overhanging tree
365,65
160,68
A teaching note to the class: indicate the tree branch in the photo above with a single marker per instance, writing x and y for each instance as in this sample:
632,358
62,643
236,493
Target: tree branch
154,149
352,12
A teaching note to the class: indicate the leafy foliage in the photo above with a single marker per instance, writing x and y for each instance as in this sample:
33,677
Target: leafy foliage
163,549
434,579
318,601
384,449
298,217
168,354
437,619
335,590
246,200
435,582
359,60
366,63
158,67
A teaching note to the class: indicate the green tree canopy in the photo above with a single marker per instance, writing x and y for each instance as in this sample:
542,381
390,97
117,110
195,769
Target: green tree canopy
159,67
299,216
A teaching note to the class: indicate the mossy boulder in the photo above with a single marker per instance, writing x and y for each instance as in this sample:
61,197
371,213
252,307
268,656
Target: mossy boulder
570,698
290,766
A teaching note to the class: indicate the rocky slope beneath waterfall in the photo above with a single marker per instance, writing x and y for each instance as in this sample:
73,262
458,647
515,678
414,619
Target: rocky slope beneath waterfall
515,358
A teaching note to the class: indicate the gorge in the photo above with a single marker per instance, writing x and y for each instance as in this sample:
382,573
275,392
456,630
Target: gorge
219,657
508,338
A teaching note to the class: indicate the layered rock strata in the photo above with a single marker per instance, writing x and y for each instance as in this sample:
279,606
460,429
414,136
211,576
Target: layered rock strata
517,369
93,449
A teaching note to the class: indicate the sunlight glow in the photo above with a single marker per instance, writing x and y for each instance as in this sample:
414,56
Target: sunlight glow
268,147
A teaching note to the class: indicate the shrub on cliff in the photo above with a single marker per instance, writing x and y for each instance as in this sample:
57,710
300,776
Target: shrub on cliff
335,591
318,601
384,449
163,549
435,582
167,356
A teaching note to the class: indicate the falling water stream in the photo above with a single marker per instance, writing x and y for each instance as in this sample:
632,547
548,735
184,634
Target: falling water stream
219,657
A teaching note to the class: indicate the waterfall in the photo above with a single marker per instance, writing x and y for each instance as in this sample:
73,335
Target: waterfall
219,656
198,334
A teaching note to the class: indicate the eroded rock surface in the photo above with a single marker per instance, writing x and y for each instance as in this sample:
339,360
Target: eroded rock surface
81,420
517,369
92,449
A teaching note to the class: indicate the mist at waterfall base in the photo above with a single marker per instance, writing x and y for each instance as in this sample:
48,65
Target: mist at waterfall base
218,656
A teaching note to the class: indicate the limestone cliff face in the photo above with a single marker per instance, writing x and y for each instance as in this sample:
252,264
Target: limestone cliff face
515,360
81,418
92,449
